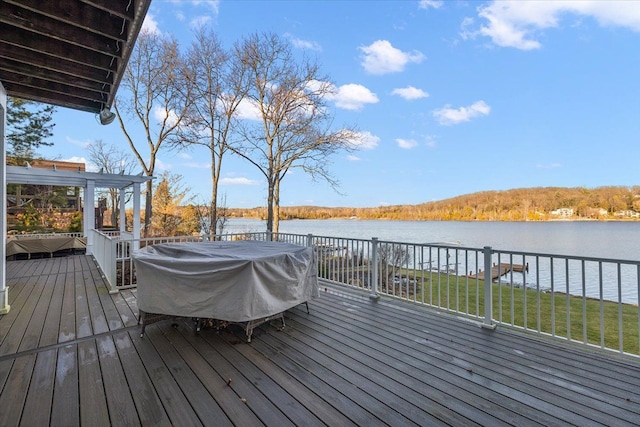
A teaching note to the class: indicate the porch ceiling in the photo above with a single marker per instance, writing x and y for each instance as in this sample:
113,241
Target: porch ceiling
70,53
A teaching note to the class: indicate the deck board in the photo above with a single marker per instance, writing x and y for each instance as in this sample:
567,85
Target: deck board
122,409
71,354
234,372
66,399
40,393
93,401
178,407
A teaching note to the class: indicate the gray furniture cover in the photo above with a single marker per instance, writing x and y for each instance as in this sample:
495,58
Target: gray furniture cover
48,245
235,281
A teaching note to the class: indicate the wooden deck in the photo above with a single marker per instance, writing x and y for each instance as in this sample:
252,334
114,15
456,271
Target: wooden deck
500,270
71,354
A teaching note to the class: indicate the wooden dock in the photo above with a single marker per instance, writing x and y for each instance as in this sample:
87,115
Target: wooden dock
501,270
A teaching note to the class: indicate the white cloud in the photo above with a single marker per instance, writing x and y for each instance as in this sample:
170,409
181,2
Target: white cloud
81,144
352,97
353,158
382,58
160,114
303,44
453,116
248,110
517,24
162,166
200,21
410,93
426,4
150,25
365,140
237,181
90,167
407,144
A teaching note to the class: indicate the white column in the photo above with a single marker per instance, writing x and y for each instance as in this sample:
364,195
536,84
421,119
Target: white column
4,291
136,216
123,215
89,214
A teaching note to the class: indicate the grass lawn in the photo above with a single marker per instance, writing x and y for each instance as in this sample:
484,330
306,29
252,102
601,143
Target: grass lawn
543,311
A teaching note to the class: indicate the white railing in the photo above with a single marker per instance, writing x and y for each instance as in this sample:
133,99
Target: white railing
44,235
593,301
104,252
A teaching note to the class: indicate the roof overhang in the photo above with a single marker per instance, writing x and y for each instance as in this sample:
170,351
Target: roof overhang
65,178
70,53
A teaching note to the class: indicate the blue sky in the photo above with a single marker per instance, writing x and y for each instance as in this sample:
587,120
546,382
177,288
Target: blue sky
451,97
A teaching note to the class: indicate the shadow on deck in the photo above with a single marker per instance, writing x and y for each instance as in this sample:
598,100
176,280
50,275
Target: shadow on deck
71,354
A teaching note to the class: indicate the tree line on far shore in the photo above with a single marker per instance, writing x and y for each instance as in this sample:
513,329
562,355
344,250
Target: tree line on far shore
523,204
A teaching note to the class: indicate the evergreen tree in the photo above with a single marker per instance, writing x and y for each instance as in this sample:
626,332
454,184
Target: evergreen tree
29,124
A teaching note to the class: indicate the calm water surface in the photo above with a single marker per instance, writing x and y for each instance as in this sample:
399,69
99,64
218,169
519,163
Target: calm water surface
618,240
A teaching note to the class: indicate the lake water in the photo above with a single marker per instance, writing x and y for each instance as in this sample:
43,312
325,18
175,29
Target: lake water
612,240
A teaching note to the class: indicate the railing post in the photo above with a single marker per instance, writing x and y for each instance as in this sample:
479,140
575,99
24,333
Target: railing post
374,261
112,267
310,240
488,290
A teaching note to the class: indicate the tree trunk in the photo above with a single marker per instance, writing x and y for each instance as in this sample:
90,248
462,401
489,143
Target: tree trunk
213,209
147,209
270,206
276,206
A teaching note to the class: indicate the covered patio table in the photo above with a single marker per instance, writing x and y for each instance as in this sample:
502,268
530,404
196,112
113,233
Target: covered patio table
244,282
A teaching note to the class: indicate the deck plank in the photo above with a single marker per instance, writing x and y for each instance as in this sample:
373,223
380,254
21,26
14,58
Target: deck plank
123,310
477,374
40,394
442,395
175,402
120,402
69,355
265,398
19,293
83,315
67,330
15,340
65,409
17,386
293,386
383,385
332,387
201,379
51,331
99,321
92,396
539,374
149,407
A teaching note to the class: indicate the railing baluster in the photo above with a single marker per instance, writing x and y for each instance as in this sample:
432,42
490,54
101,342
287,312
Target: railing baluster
488,287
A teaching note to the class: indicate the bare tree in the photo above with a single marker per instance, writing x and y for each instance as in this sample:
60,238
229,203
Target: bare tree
113,161
294,125
222,217
154,95
218,85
